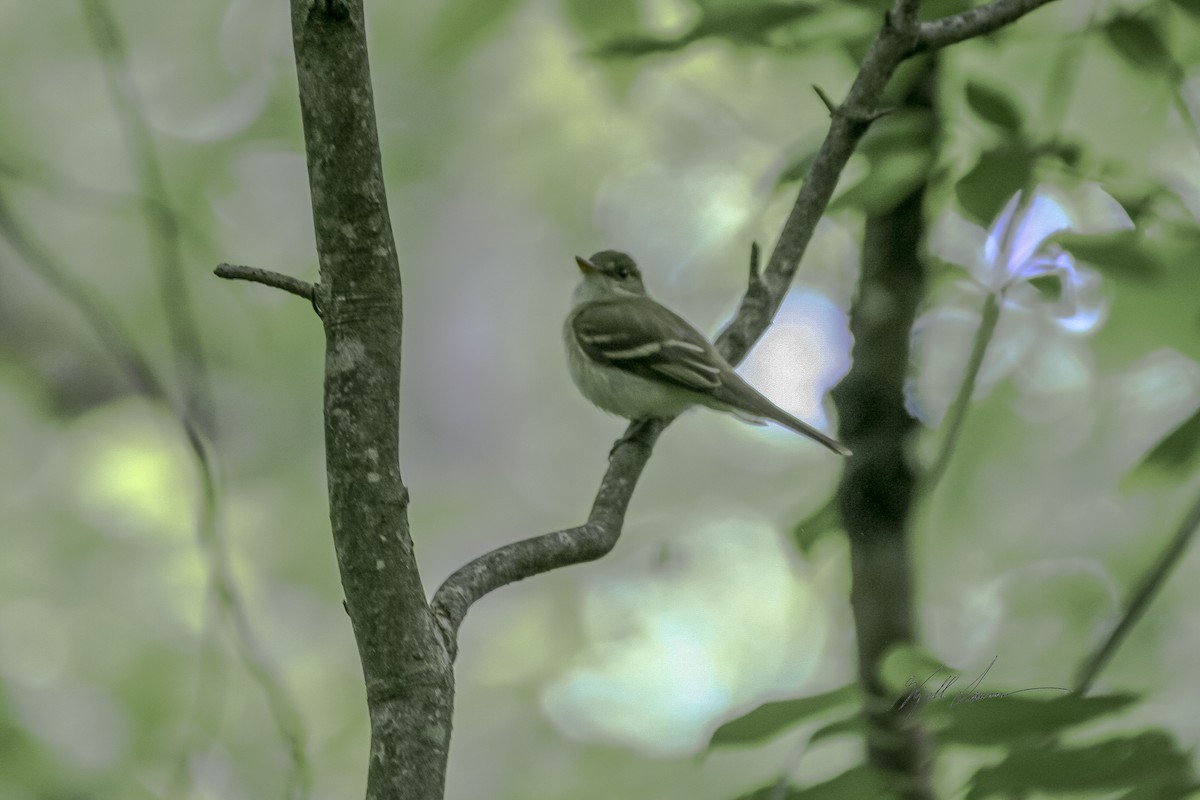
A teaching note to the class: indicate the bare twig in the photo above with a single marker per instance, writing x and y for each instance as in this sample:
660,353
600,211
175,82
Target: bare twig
973,22
266,277
826,100
1147,589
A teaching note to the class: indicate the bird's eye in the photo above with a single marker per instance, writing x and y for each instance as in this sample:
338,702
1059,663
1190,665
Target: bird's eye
622,272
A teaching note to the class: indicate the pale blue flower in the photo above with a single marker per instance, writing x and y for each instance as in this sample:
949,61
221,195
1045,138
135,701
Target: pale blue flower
1040,338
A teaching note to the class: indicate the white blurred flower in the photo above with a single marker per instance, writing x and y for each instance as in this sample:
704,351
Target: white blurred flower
725,620
1040,336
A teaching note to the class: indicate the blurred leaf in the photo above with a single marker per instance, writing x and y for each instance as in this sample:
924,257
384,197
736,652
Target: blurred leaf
1006,720
890,180
1147,760
1048,286
1122,255
1178,450
998,174
594,21
905,664
750,22
636,45
994,106
1140,43
797,169
816,526
850,725
899,149
770,719
855,783
743,23
1190,7
463,25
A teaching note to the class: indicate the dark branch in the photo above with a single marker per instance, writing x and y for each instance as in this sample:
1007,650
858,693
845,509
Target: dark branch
587,542
826,100
1147,589
972,22
266,277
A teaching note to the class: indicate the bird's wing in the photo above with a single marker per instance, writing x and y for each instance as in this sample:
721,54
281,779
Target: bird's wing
640,336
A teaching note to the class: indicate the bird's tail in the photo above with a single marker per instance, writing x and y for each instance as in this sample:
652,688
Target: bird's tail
748,403
800,426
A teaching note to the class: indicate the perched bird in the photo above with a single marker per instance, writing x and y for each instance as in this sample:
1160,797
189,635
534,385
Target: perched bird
636,358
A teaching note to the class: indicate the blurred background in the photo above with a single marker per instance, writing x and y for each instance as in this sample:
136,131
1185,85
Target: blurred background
155,644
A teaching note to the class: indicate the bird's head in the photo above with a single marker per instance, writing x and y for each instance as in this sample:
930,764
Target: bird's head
606,275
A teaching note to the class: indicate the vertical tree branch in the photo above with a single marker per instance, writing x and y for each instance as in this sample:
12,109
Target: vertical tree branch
407,671
876,492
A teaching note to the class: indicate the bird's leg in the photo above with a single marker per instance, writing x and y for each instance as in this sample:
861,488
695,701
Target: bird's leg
633,435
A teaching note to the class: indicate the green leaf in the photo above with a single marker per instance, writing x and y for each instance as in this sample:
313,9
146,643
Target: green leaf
1178,450
797,168
770,719
750,23
461,26
1123,255
853,784
907,666
1006,720
594,21
740,22
1140,43
638,45
1189,7
899,150
816,526
994,106
997,175
1048,286
889,182
1149,759
853,726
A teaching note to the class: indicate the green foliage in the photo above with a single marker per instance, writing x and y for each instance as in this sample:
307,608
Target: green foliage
1005,721
1140,42
1124,255
994,106
1149,764
999,172
598,21
740,23
816,526
1176,452
899,150
771,719
462,25
853,784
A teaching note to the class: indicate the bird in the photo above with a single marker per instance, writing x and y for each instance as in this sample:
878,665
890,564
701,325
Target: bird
634,357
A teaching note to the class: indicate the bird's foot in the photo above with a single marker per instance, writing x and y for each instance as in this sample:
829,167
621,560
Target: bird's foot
634,434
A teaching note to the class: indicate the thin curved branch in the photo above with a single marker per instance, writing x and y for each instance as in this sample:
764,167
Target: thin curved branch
898,39
973,22
276,280
1147,589
587,542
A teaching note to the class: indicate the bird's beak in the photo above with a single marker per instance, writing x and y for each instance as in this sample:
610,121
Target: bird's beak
585,266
